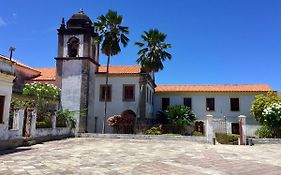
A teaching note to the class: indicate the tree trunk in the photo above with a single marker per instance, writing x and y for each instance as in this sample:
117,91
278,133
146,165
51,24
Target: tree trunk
105,94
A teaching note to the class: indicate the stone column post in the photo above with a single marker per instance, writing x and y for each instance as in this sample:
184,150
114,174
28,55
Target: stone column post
242,129
33,123
209,129
54,121
20,116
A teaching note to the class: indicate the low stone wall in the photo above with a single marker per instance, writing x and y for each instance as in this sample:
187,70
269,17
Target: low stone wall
143,137
41,132
266,140
9,144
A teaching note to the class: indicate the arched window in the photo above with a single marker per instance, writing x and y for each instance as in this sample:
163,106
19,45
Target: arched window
73,46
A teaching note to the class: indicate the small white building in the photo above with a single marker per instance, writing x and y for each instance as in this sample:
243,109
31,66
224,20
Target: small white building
225,102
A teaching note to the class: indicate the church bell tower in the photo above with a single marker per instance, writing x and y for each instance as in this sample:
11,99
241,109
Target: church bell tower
76,64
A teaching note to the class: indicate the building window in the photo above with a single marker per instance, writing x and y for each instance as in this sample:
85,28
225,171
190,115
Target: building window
210,104
102,93
187,102
234,104
128,92
2,104
235,128
165,103
73,46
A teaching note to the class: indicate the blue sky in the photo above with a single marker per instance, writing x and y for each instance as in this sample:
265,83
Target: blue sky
213,41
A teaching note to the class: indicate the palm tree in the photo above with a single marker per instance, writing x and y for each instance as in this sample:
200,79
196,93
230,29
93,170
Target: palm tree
151,57
153,50
111,34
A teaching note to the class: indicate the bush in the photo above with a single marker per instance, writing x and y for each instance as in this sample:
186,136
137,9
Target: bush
231,139
124,123
196,133
45,122
264,132
263,101
153,131
180,117
65,118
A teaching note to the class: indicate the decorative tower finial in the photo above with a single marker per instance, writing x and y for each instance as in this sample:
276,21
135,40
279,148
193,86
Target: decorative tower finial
62,25
81,11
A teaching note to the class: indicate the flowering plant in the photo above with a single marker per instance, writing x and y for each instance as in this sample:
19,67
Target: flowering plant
41,90
114,120
272,115
124,123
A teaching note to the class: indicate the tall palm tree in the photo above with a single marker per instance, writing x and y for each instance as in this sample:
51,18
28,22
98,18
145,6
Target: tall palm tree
153,50
111,34
151,56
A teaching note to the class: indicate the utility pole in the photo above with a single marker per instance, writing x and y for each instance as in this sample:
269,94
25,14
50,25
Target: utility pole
11,49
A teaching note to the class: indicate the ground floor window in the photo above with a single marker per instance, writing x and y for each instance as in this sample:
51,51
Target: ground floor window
165,103
235,128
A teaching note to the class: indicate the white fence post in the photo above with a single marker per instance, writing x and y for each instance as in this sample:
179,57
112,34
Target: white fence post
242,129
209,129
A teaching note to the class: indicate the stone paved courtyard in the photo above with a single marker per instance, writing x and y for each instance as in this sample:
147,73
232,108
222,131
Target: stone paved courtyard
117,156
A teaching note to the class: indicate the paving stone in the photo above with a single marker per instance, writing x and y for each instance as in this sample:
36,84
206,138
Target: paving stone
123,156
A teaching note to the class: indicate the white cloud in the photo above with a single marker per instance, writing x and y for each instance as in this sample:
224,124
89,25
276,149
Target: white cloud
2,22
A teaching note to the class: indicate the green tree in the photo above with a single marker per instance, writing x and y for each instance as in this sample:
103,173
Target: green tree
152,53
111,34
153,50
261,102
180,117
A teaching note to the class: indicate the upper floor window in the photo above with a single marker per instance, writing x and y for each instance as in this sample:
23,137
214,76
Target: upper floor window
165,103
2,104
73,47
210,104
102,92
234,104
187,102
128,92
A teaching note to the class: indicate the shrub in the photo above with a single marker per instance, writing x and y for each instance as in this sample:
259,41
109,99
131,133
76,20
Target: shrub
153,131
45,122
65,118
224,138
264,132
196,133
124,123
272,115
180,117
261,102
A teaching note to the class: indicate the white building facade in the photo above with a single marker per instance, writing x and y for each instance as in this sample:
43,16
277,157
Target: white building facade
224,102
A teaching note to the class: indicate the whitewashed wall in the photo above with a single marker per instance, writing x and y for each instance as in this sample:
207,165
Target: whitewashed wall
6,83
116,105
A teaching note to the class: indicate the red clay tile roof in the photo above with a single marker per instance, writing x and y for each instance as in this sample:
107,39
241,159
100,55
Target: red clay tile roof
121,69
19,63
47,74
213,88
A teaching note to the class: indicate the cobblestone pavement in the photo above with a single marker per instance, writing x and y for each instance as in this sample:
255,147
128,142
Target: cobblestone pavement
117,156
